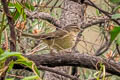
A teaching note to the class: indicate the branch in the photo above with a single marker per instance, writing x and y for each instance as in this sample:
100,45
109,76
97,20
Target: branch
60,73
12,33
76,59
55,22
44,16
11,25
90,3
92,22
17,66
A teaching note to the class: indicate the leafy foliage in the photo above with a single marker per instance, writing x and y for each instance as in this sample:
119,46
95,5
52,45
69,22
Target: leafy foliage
116,16
20,60
115,1
114,32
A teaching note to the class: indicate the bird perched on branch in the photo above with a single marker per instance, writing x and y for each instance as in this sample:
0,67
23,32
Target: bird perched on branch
61,39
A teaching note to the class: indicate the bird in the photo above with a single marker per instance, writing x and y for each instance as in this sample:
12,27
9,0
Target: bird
61,39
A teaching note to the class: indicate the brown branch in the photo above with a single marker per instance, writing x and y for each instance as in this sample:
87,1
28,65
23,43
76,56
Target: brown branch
117,47
55,22
11,25
57,72
103,48
90,3
76,59
44,16
95,22
12,33
17,66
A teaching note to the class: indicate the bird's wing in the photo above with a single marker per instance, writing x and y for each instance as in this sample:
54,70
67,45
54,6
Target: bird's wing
52,35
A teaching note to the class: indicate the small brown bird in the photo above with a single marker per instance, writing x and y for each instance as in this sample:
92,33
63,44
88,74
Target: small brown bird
61,39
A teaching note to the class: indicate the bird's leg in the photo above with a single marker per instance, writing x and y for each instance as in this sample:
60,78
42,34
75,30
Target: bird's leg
52,52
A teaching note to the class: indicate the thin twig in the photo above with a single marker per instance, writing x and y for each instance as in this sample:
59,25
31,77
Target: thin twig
57,72
89,2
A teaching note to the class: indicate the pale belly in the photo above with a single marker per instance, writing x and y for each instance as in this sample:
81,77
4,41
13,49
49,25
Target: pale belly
61,43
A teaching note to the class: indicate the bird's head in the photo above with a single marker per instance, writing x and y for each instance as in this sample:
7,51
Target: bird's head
74,29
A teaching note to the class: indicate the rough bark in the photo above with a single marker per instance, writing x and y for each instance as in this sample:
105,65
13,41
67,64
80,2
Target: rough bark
11,25
76,59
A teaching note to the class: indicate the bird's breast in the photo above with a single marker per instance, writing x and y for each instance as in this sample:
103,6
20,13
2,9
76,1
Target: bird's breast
61,43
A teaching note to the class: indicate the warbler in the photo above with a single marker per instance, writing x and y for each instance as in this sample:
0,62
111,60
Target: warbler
59,40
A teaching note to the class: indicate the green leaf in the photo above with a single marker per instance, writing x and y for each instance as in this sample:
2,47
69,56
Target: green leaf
23,14
32,7
19,7
8,54
29,64
20,11
115,16
15,15
20,60
36,71
10,79
114,33
11,4
29,6
98,12
24,62
1,51
11,64
114,1
116,8
31,78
